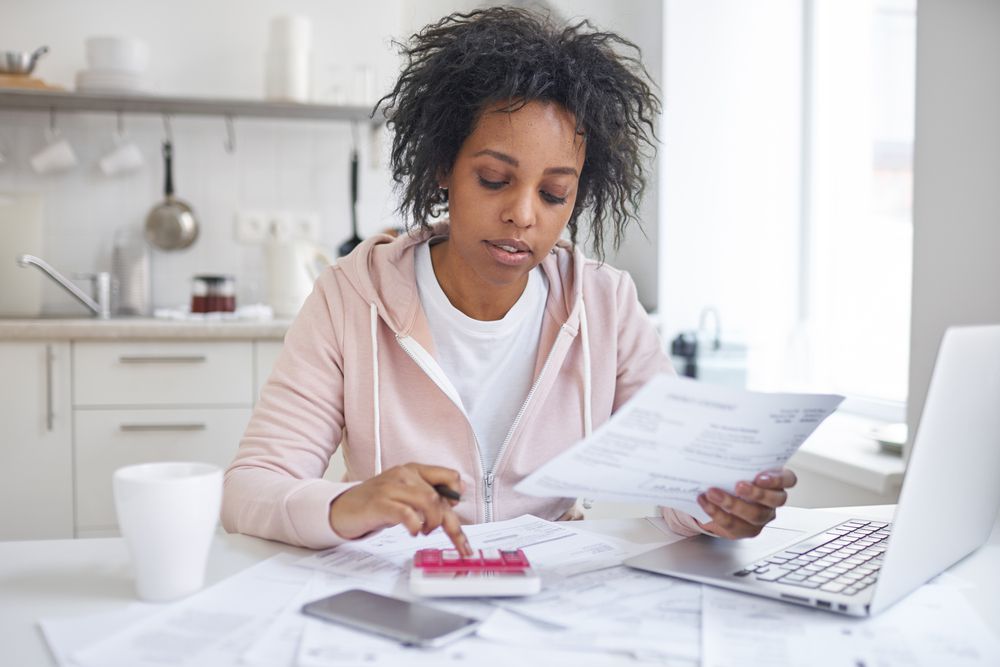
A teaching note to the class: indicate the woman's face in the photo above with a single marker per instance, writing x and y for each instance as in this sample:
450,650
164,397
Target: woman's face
511,192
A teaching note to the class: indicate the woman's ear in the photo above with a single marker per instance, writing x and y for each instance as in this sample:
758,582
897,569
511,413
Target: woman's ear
442,180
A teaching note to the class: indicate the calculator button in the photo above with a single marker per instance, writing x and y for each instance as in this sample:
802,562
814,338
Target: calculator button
514,558
492,556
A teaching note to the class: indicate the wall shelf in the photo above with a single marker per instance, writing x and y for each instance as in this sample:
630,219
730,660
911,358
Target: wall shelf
61,101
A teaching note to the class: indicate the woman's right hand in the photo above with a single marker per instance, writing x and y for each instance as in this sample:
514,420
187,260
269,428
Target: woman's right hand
404,494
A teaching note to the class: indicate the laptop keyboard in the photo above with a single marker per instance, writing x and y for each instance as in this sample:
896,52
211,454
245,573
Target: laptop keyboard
845,559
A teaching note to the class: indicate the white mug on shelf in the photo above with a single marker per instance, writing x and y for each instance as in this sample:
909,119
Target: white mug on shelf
57,155
125,157
167,513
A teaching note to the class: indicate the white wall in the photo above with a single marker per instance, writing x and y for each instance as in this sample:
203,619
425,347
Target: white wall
640,21
730,168
956,208
216,49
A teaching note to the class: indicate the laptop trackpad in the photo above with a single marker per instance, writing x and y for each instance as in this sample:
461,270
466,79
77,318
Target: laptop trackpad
712,556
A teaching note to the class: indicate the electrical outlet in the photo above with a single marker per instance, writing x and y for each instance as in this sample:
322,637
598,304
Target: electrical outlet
279,226
256,226
251,226
305,226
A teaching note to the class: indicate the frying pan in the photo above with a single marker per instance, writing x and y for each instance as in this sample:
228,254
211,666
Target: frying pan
171,224
350,244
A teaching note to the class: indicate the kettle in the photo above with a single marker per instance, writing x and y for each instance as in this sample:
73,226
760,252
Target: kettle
292,268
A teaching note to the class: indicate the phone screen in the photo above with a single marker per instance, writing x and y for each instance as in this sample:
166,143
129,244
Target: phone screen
408,622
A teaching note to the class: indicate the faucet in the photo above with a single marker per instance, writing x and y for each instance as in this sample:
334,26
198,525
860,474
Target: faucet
102,286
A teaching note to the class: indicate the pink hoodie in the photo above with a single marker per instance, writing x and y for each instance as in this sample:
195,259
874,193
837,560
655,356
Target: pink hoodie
357,370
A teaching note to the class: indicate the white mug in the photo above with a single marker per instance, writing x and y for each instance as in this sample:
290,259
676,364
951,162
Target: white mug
58,155
125,157
167,513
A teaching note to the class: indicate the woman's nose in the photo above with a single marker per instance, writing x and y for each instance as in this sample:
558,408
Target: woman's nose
519,208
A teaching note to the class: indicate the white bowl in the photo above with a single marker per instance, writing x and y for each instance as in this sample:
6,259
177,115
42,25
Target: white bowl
123,54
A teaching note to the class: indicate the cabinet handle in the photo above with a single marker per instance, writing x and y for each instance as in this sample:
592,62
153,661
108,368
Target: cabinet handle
155,359
49,412
162,427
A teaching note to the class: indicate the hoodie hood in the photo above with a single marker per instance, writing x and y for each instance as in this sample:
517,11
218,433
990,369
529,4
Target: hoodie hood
381,269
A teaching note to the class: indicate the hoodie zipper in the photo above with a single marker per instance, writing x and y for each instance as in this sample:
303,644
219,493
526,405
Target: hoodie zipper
489,476
405,343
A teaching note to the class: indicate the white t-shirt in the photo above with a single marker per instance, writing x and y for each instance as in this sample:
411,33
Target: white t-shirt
491,364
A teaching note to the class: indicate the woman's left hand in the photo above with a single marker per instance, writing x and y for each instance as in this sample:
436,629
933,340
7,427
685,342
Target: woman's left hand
746,513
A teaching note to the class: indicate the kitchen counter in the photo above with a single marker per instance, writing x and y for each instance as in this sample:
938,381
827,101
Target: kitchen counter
140,329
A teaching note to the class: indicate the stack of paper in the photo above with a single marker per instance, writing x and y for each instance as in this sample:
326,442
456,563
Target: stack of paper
591,611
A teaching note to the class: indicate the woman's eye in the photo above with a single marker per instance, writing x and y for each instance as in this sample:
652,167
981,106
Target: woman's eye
492,185
552,199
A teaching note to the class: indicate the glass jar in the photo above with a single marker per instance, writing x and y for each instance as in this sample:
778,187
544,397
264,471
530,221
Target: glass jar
213,294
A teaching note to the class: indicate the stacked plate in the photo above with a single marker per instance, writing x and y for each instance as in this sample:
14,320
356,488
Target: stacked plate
117,65
108,81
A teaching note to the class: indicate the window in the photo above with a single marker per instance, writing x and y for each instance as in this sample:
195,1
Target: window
786,189
857,219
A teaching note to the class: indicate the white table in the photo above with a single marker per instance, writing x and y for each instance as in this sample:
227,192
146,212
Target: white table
74,577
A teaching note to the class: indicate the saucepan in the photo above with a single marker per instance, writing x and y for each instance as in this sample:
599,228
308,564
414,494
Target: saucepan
20,62
171,224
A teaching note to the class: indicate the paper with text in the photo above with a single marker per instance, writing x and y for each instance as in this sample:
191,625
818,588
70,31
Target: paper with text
676,438
213,627
617,609
548,545
934,625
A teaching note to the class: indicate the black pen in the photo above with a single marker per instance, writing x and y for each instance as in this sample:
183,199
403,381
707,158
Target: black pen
446,491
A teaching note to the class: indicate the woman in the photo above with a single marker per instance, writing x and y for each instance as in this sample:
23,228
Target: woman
469,352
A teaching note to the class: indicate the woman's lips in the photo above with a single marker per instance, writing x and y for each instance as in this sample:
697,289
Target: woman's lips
510,252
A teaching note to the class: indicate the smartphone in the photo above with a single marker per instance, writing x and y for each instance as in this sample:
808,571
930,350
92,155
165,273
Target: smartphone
411,623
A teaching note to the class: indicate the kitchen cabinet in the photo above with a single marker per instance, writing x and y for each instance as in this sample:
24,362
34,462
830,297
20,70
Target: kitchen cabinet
143,401
82,398
110,438
36,454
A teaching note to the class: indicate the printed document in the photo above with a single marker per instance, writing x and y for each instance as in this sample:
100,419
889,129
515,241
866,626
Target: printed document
676,438
935,625
550,546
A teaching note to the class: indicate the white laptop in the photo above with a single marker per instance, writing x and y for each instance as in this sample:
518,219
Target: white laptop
946,509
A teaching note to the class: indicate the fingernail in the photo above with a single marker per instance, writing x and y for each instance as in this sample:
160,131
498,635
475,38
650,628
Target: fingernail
715,496
742,487
765,478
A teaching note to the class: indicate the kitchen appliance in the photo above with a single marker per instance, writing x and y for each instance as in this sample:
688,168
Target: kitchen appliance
171,224
20,63
131,275
350,244
21,227
292,268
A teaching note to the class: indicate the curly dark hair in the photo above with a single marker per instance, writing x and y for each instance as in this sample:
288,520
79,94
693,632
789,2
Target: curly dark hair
465,63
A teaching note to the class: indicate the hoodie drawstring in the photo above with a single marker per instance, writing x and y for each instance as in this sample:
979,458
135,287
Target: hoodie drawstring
378,435
588,420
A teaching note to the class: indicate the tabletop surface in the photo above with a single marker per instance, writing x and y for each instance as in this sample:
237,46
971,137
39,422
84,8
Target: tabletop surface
49,578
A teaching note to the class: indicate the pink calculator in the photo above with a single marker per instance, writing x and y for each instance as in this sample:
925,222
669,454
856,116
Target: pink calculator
488,573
